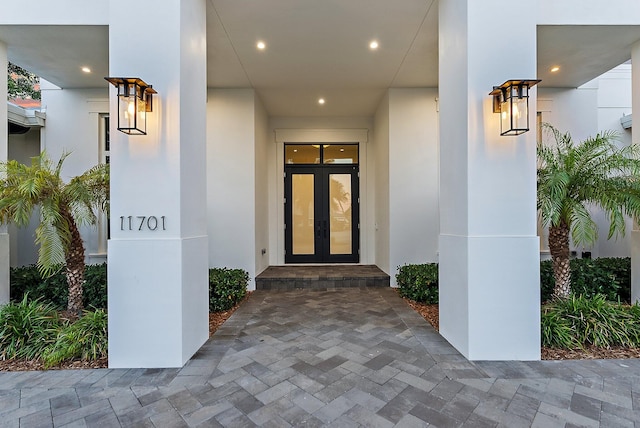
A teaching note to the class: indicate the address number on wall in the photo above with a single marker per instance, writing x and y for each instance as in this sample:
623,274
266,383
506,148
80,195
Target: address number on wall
142,222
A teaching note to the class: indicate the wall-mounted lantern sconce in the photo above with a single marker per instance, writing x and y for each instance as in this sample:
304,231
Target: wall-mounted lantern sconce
135,99
511,100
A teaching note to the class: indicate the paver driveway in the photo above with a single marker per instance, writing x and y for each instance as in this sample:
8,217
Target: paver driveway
348,357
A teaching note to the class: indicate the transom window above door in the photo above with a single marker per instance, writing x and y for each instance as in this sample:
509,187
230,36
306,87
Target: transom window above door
310,154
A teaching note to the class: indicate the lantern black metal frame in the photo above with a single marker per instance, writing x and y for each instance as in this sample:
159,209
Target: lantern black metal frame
508,100
135,99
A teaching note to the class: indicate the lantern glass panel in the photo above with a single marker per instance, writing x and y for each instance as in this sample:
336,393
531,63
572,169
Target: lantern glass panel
142,115
520,115
127,109
505,115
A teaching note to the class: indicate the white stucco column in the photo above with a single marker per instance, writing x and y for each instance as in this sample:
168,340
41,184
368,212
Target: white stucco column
635,139
4,151
158,292
489,251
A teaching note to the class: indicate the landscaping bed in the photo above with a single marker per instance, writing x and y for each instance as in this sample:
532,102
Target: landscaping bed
595,322
216,319
36,333
430,313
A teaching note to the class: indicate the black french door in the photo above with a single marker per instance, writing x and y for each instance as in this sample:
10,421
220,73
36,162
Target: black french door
322,214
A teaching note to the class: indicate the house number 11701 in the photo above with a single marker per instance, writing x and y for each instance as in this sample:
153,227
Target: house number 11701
141,222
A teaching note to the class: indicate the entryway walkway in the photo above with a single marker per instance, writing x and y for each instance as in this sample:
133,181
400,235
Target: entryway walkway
348,357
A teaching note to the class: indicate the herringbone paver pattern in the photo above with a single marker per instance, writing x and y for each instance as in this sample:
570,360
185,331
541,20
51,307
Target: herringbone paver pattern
351,357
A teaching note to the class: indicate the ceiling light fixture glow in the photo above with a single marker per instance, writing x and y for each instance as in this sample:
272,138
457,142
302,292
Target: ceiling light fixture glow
373,45
261,45
321,101
555,69
86,69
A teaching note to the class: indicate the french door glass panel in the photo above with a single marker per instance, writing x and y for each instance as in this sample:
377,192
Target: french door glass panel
340,214
303,206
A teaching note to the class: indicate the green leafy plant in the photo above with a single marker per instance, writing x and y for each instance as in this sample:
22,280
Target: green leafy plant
557,331
418,282
581,321
64,207
226,288
27,328
573,177
54,289
610,277
85,339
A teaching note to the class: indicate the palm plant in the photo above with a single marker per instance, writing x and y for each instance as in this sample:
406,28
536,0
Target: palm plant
64,207
573,177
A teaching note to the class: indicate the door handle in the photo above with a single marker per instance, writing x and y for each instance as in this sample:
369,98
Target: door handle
318,228
325,229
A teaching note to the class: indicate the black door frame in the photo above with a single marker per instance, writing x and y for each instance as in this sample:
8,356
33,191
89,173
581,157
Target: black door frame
322,242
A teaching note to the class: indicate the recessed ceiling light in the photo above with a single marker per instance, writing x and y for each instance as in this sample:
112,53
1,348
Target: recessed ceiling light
321,101
86,69
261,45
555,68
373,45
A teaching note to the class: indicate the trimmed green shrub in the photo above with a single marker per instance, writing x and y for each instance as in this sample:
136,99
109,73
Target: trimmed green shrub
418,282
95,287
54,289
590,321
27,328
85,339
226,288
610,277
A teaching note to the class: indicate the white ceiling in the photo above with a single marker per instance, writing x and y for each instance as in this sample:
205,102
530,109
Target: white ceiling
318,49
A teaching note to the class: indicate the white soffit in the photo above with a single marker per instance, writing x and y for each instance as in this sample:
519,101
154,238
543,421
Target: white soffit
583,52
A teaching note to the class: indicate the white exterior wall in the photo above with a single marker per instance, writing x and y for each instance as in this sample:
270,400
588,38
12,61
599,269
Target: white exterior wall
614,101
262,141
231,179
635,134
573,110
45,12
381,160
580,12
23,249
414,219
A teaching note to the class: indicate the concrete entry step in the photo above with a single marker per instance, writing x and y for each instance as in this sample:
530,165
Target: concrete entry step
321,277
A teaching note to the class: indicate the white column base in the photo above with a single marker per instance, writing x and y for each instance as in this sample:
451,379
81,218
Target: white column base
159,304
4,268
635,266
490,296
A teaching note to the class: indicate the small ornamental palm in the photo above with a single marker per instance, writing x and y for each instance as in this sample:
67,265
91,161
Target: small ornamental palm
573,177
64,207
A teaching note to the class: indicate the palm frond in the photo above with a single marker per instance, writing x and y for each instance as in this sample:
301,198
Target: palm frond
51,255
595,172
584,231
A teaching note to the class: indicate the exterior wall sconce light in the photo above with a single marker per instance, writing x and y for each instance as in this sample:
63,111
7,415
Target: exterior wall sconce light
135,99
511,100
